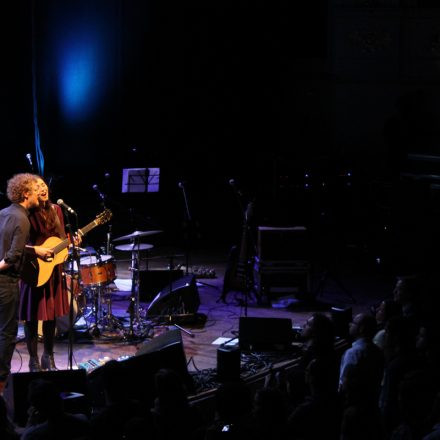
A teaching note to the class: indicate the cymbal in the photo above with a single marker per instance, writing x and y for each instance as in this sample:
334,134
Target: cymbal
136,234
134,247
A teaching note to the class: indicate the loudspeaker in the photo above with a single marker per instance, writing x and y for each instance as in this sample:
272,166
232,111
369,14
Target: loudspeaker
179,298
164,351
17,385
152,281
228,363
265,334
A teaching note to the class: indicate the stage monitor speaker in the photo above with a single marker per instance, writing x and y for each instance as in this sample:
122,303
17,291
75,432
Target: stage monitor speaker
152,281
265,334
163,351
17,385
179,298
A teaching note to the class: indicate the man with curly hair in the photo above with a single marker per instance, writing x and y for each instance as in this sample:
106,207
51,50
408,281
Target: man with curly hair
22,192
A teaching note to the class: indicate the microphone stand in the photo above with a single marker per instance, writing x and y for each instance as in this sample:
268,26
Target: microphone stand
188,220
189,229
75,258
108,245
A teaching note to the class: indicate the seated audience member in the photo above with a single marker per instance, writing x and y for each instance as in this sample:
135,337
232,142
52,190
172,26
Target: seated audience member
46,401
400,359
408,294
7,429
434,419
416,399
270,413
319,337
361,418
386,310
364,355
233,413
428,345
319,414
109,423
172,414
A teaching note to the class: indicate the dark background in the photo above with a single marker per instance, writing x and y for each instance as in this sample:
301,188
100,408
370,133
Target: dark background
311,107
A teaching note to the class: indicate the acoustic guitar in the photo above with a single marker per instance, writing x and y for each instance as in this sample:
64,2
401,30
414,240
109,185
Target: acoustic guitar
37,272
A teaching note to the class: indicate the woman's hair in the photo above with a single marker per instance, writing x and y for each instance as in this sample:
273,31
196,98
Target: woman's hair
47,212
18,185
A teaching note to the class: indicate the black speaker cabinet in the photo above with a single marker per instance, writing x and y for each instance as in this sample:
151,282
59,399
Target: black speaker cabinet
178,298
265,334
152,281
163,351
17,385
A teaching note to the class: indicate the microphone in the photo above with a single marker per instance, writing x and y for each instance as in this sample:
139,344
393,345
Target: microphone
181,185
29,158
60,202
96,188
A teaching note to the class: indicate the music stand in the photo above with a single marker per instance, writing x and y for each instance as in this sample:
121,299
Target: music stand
140,180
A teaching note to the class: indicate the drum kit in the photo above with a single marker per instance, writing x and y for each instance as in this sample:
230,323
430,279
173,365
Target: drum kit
93,275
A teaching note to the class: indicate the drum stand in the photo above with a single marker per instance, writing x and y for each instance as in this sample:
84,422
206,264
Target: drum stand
96,311
103,321
108,321
134,309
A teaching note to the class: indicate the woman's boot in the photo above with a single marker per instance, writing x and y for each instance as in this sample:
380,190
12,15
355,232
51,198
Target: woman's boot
47,360
31,334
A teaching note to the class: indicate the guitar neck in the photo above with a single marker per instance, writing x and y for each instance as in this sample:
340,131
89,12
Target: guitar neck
65,243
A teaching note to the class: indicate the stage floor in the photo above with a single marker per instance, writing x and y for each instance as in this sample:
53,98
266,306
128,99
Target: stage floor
367,287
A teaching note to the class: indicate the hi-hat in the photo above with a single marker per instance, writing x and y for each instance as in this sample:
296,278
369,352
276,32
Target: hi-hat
136,234
134,247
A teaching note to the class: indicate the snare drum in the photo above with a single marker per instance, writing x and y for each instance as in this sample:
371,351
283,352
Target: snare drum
97,271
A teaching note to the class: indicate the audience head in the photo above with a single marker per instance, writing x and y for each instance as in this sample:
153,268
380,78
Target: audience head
386,310
115,389
319,329
317,377
44,396
270,405
233,401
363,326
428,340
406,290
170,388
400,336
